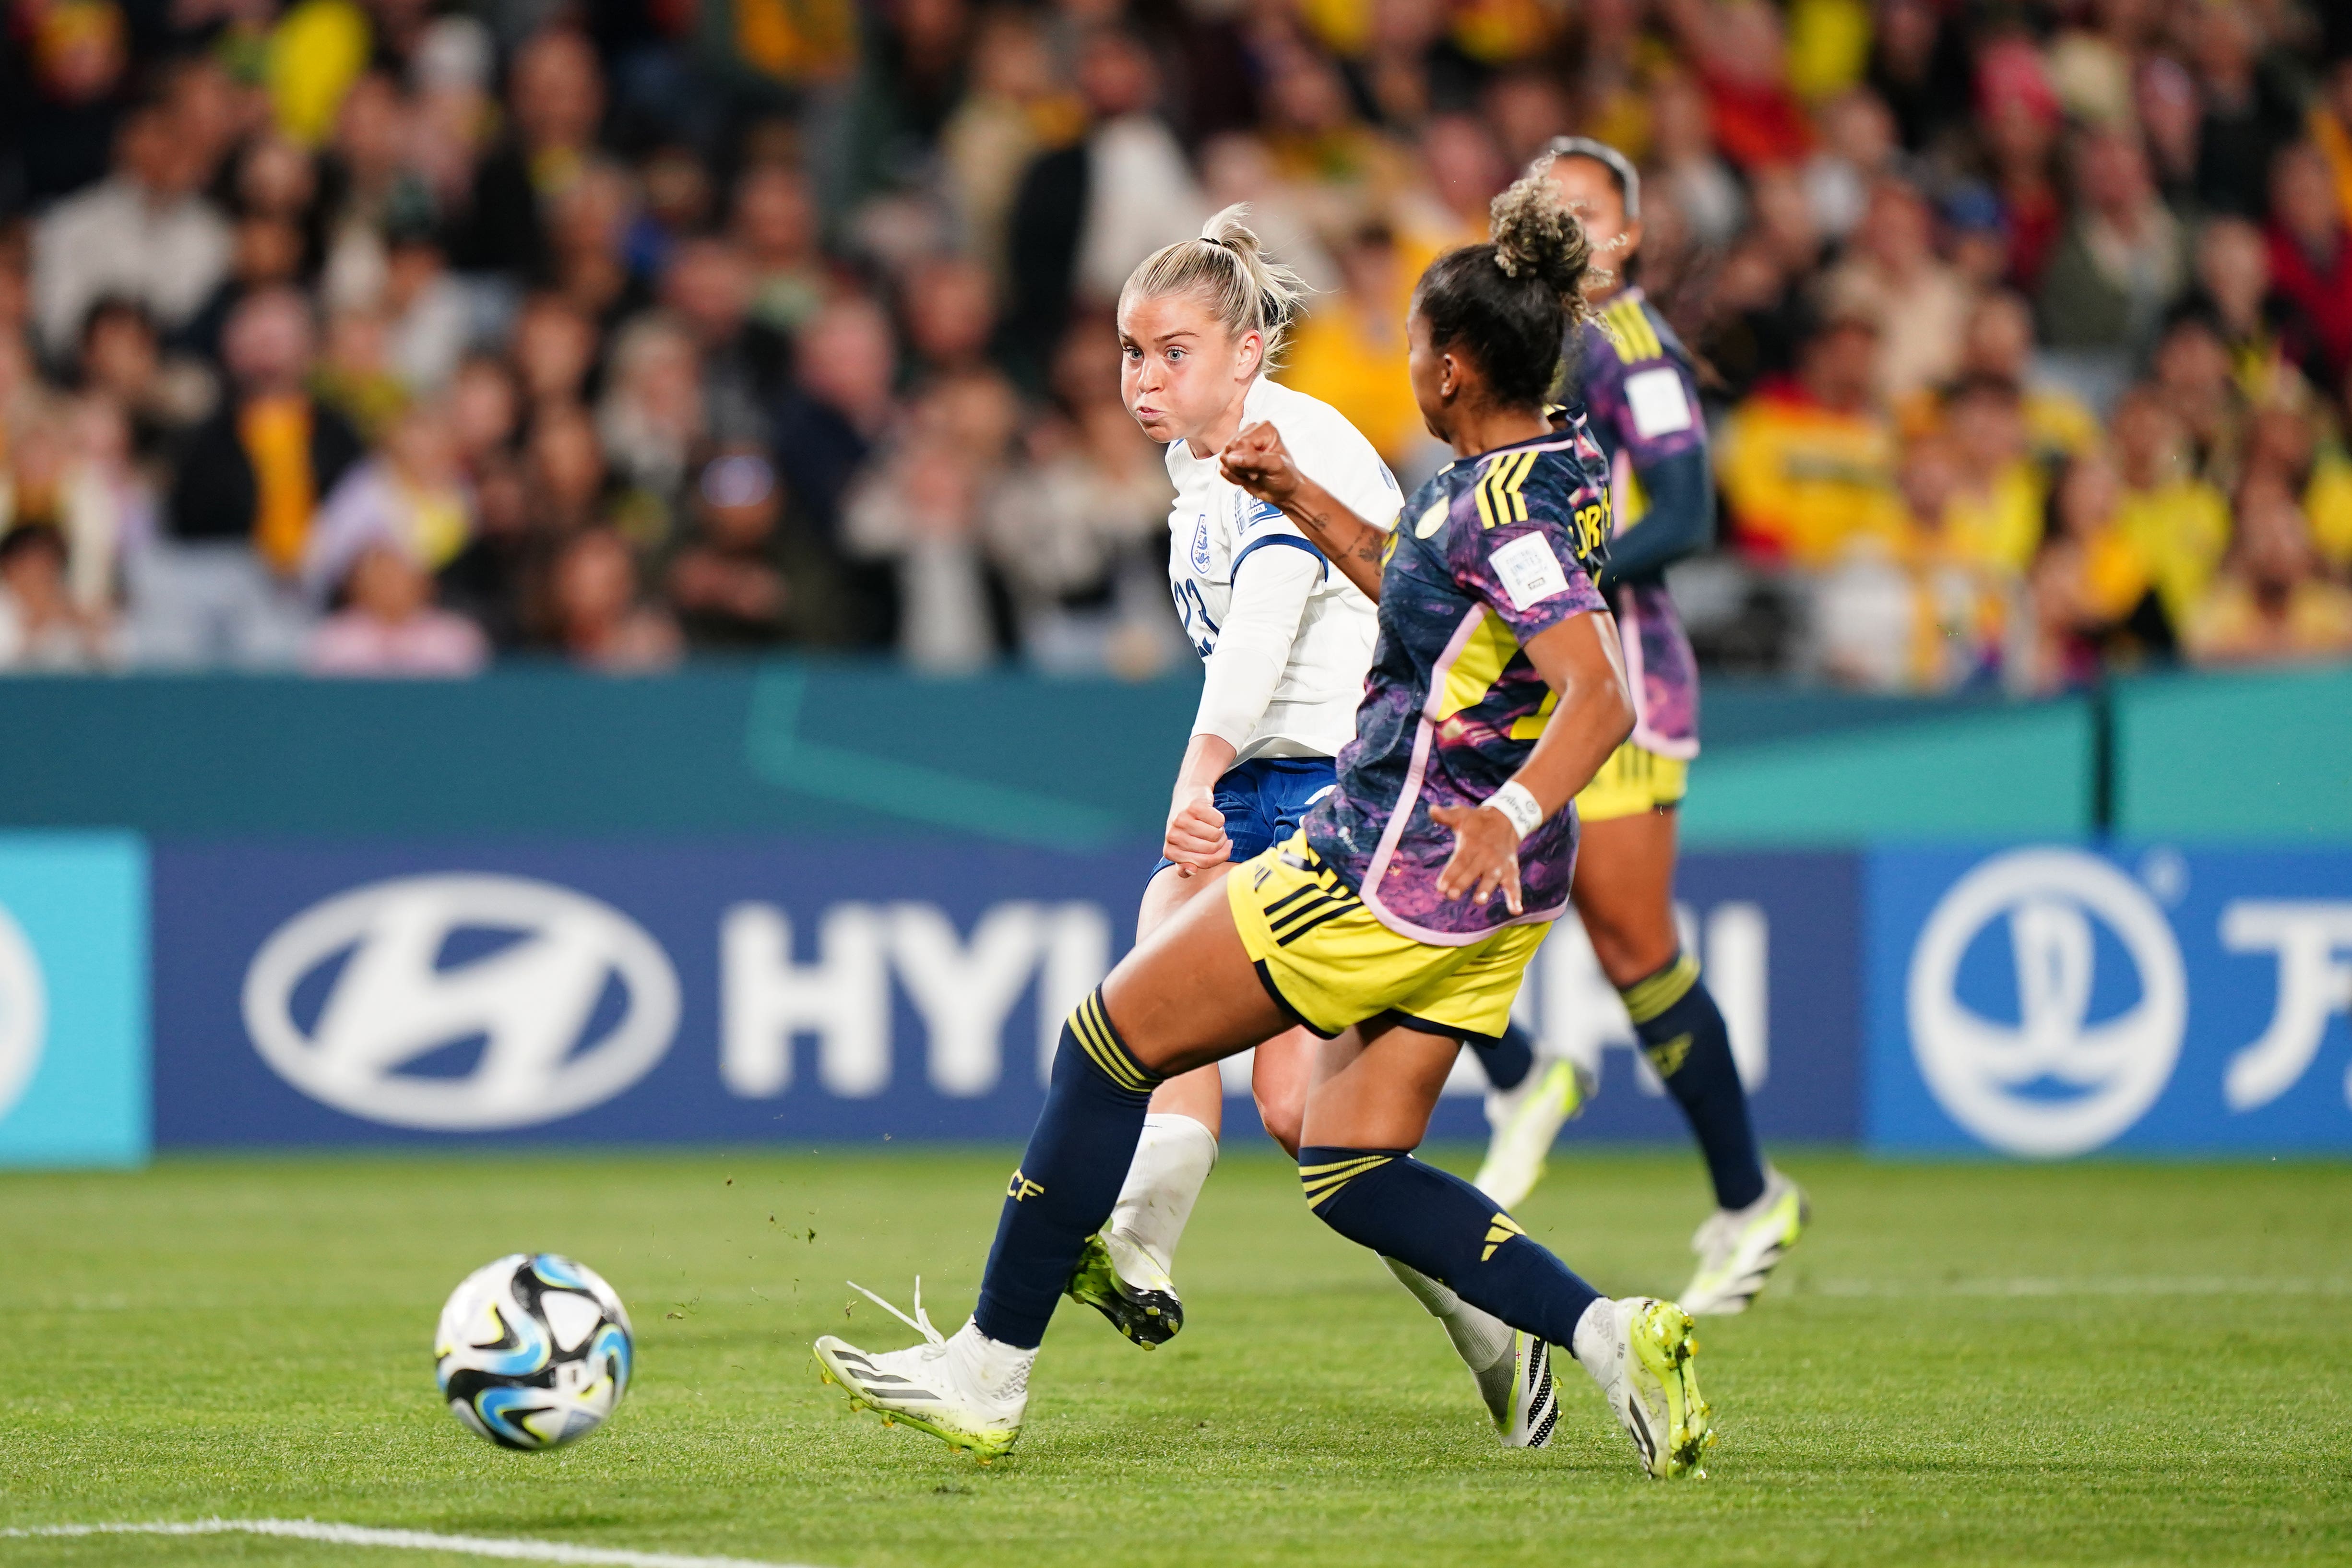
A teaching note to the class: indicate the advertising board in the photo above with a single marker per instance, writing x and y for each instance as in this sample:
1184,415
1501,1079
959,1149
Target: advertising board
73,999
790,990
2051,1001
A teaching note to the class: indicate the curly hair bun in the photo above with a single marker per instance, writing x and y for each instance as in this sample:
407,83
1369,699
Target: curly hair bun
1536,237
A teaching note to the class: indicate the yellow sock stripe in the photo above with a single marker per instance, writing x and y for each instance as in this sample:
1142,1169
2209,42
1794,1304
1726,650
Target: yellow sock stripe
1135,1069
1645,999
1323,1181
1362,1163
1092,1027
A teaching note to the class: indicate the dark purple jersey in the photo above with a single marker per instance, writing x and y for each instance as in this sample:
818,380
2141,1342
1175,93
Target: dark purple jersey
1493,550
1642,397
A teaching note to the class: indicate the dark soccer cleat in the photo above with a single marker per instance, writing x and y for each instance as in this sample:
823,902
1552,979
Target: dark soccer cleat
1119,1279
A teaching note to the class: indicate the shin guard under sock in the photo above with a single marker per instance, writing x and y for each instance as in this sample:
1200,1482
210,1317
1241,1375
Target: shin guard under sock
1508,1060
1449,1230
1069,1178
1683,1034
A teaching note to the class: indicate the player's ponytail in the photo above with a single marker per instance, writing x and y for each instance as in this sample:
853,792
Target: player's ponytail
1243,289
1509,301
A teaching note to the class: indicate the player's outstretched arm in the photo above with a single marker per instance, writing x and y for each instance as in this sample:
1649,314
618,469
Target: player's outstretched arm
1256,460
1580,659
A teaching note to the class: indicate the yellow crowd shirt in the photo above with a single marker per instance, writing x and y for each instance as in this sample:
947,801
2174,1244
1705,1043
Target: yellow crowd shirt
1803,481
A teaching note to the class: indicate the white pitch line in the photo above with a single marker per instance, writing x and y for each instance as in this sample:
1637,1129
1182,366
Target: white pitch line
2189,1285
406,1539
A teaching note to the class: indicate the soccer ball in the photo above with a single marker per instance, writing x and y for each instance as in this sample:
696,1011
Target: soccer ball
533,1351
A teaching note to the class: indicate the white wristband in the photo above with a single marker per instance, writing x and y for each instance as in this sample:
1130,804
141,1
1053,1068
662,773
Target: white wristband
1518,808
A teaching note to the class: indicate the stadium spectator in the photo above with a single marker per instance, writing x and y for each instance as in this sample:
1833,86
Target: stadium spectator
2311,252
1690,171
388,624
2272,602
1807,463
1079,530
2116,268
2094,592
407,498
2248,111
775,225
745,364
1920,301
596,249
652,417
41,628
1992,523
2177,522
1350,351
596,618
556,94
145,232
2269,342
730,585
253,474
1084,213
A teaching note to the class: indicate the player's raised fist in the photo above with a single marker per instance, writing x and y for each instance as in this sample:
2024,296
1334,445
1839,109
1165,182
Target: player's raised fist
1256,460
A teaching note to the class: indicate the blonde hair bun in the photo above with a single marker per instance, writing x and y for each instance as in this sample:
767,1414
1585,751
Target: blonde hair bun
1244,289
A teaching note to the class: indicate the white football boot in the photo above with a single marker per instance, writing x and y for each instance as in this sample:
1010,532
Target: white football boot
1739,1248
1641,1351
1512,1370
969,1391
1529,1406
1525,1122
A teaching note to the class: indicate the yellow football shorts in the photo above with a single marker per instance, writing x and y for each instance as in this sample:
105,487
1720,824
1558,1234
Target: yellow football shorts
1331,963
1633,780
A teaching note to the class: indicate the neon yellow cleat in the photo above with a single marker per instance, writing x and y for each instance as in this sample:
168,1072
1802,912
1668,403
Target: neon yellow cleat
1738,1249
1525,1122
1647,1368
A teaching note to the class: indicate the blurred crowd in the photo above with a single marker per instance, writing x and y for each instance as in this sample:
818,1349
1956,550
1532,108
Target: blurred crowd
398,336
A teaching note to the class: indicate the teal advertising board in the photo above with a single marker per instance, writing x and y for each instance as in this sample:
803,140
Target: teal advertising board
73,1000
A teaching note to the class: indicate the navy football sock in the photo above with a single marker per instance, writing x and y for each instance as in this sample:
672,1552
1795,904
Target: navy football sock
1683,1035
1508,1060
1069,1178
1449,1230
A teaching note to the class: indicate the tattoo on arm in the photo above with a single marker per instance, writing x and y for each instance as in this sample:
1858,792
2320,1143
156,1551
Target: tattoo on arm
1366,545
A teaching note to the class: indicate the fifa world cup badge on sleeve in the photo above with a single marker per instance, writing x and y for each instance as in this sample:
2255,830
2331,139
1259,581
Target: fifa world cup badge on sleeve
1528,570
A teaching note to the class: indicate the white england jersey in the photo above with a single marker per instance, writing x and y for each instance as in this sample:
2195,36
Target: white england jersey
1215,526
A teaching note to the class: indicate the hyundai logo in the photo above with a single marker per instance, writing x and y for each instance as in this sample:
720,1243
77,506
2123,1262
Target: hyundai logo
461,1003
2057,1081
23,1013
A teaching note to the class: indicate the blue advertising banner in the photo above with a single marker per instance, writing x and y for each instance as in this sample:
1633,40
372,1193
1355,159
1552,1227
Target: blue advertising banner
73,999
791,989
1778,936
2048,1002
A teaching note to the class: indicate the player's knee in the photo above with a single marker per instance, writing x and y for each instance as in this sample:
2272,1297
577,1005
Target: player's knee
1629,950
1284,1117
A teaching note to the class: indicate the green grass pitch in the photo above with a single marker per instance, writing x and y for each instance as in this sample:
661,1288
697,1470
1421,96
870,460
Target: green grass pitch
1961,1364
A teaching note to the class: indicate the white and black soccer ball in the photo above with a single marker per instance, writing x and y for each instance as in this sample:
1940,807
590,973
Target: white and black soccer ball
533,1351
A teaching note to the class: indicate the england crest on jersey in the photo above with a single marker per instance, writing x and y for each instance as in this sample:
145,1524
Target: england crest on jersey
1200,544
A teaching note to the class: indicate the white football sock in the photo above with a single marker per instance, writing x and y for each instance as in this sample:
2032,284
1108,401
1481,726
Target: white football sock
1001,1370
1596,1340
1479,1337
1171,1166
